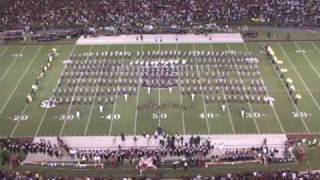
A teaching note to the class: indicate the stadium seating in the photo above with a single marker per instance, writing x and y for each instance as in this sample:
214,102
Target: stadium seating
156,16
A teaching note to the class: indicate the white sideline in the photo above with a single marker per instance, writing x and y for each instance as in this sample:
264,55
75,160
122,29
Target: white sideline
163,38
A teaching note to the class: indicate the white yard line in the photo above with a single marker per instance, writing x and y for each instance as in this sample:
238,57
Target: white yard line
136,113
19,81
5,50
301,79
116,98
11,64
181,100
8,69
18,122
204,105
315,47
274,111
308,60
46,110
70,105
227,105
94,99
284,86
159,101
138,94
254,119
309,165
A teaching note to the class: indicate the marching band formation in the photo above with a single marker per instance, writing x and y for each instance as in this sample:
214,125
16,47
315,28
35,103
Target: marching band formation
278,64
41,74
221,77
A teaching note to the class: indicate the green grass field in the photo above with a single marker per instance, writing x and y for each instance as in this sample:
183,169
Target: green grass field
17,74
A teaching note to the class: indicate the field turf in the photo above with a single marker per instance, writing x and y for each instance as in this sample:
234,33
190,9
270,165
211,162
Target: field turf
17,74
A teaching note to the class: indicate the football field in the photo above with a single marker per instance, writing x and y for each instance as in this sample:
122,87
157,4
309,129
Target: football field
19,66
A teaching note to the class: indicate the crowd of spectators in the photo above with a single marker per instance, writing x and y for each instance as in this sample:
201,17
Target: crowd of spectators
236,155
44,147
270,175
265,154
127,16
176,147
171,146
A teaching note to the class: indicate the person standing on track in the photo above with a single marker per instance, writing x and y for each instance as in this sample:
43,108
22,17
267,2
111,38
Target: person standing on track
101,109
77,114
242,113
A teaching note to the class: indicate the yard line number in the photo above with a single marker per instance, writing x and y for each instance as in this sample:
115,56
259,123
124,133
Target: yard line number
111,116
70,117
300,51
208,115
19,117
17,55
300,114
159,116
253,115
65,117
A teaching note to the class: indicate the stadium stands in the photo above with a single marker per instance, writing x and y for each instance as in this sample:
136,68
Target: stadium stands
220,77
172,150
235,176
125,16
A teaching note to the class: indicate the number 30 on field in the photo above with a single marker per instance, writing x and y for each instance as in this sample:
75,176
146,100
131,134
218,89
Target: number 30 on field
20,117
